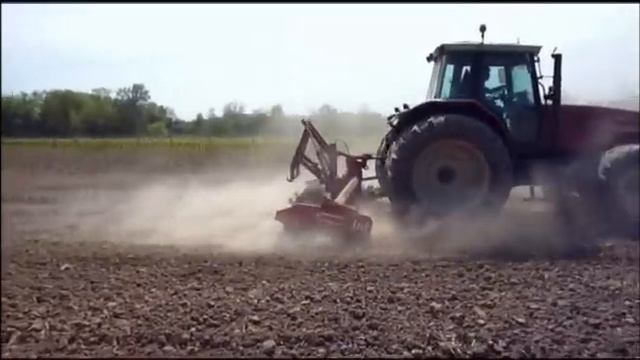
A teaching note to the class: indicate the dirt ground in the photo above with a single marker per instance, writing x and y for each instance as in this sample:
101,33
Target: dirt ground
153,254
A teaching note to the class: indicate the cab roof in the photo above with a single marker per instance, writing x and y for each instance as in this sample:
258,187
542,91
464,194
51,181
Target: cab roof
477,47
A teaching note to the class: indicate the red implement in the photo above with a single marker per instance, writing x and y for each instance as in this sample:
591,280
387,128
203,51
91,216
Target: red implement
336,220
335,213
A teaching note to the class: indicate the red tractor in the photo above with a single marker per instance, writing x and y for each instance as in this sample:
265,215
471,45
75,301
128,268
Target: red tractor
488,124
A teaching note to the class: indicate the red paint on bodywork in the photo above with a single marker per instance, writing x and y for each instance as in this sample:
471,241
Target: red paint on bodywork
584,128
329,217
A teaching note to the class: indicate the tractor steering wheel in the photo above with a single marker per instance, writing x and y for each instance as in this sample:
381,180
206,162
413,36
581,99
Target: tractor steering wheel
497,89
497,93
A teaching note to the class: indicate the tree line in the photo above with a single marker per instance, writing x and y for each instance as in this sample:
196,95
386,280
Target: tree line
130,112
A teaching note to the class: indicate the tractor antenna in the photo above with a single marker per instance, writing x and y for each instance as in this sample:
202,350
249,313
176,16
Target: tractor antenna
483,28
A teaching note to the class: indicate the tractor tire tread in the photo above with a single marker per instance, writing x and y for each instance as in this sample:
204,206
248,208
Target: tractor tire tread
406,148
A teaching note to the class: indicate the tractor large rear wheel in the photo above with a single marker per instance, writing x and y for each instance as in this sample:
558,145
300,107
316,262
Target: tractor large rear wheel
445,165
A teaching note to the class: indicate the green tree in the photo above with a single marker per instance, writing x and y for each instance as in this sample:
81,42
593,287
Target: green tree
157,129
136,94
98,116
328,121
232,110
102,92
60,111
276,112
21,114
130,101
71,113
199,125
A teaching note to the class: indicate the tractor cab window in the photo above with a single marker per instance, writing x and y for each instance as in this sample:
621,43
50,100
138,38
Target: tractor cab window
456,82
456,78
495,77
508,93
447,80
522,84
495,83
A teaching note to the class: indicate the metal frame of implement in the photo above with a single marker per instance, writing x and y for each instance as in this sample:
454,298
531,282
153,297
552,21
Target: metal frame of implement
336,214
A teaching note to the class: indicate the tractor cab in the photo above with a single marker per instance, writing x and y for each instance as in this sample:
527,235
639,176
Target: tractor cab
501,77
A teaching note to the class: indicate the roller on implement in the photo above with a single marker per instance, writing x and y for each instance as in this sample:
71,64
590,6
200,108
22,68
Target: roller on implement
488,125
332,206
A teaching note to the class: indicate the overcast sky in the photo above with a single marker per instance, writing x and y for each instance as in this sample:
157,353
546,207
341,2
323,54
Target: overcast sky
196,56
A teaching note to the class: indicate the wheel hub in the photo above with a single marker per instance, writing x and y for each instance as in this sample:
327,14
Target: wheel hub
446,175
450,175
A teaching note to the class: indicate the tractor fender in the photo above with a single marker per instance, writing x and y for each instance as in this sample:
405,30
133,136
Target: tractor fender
470,108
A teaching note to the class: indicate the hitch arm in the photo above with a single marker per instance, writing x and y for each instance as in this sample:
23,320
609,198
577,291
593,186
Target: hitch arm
323,152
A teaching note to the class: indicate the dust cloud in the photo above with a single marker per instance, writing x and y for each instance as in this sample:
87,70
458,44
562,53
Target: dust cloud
233,216
238,217
232,208
524,229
